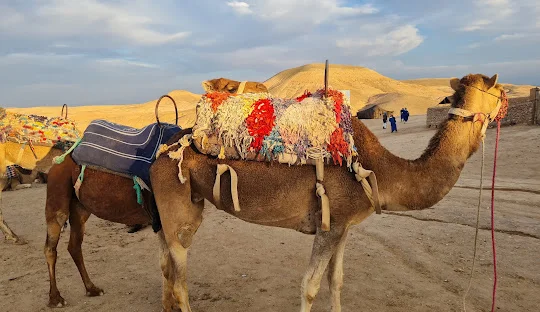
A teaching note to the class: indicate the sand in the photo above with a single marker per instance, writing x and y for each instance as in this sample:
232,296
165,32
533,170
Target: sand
413,261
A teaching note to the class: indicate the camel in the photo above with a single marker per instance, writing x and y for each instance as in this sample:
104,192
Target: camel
40,162
95,197
279,195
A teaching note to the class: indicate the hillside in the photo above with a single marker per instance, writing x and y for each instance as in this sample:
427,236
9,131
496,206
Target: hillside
364,84
134,115
443,84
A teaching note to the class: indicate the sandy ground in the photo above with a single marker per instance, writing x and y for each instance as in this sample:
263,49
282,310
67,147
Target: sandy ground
414,261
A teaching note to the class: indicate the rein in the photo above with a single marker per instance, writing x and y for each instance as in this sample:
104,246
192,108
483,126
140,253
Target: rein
496,115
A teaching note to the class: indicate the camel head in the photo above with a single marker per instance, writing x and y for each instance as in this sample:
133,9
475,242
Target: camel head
232,86
477,93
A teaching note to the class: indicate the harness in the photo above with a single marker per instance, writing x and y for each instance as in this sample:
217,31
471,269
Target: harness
484,118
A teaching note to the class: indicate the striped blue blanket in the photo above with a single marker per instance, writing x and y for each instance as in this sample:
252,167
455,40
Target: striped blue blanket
121,148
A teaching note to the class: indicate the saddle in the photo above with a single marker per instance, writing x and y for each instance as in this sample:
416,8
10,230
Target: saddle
122,149
258,126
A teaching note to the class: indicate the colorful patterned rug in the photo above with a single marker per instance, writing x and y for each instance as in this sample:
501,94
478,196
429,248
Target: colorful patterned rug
38,130
258,126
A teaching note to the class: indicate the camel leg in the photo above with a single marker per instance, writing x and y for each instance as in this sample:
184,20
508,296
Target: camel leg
165,262
335,274
77,219
178,232
59,194
55,220
324,245
8,233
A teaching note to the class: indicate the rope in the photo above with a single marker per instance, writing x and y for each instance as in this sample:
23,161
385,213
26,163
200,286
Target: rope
493,215
477,225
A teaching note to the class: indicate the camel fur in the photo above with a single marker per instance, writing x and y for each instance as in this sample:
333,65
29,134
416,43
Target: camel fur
277,195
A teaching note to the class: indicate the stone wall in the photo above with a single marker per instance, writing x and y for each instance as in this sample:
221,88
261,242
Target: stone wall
520,111
437,114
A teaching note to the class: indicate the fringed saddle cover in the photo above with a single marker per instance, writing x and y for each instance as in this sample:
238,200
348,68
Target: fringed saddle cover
121,148
258,126
37,130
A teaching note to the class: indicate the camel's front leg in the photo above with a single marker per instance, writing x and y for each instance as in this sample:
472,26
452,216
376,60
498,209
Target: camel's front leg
53,235
77,219
324,245
335,274
167,269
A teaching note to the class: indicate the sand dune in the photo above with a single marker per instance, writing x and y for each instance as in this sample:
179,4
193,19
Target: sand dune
134,115
443,84
364,83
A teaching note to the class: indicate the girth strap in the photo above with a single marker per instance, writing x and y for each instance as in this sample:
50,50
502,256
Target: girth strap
79,182
372,191
221,169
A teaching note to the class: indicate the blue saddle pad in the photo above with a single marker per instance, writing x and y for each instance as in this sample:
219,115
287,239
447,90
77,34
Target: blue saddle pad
121,148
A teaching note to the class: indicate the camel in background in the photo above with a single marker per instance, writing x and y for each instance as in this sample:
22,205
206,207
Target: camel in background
284,196
95,197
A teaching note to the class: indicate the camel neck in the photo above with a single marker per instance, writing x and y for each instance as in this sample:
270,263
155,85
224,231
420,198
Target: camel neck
417,184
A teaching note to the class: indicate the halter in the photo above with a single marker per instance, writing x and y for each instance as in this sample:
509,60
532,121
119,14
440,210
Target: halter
241,87
480,116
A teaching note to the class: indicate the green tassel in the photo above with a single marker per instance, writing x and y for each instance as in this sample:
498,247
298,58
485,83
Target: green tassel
137,188
59,159
81,175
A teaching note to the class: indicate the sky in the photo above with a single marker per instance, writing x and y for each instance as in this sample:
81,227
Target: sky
90,52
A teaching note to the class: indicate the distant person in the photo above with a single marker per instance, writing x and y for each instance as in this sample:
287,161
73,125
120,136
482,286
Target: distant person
393,123
384,120
402,113
406,115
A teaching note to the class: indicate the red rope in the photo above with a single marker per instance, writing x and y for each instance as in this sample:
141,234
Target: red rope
492,217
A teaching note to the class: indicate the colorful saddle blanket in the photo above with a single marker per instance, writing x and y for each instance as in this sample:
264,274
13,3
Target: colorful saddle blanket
257,126
37,130
121,148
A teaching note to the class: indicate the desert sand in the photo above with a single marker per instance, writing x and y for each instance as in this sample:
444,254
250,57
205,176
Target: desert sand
412,261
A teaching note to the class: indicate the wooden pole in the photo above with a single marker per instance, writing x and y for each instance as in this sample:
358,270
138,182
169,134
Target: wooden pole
326,79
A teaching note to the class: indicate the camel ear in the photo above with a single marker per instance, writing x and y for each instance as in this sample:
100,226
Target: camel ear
454,83
208,86
260,86
492,81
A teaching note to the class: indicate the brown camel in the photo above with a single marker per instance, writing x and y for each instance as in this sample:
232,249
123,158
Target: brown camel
231,86
283,196
95,197
40,162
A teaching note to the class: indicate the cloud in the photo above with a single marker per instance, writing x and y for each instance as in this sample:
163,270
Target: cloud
122,21
240,7
397,41
506,37
124,62
283,14
476,25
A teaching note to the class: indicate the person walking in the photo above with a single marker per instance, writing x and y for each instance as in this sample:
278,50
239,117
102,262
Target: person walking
393,123
384,120
402,113
406,115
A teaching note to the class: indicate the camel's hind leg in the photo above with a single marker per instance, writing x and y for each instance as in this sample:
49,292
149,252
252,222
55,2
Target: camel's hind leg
324,247
335,274
77,219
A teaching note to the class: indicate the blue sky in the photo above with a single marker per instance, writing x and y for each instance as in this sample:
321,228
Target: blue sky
111,52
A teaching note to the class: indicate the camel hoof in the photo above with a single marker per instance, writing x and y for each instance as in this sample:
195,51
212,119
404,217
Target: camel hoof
16,241
57,302
94,292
